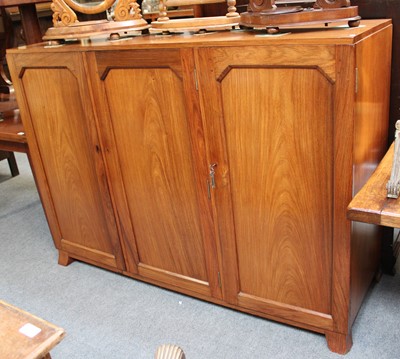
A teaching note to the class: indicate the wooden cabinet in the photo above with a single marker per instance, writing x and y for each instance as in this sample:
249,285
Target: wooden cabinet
221,166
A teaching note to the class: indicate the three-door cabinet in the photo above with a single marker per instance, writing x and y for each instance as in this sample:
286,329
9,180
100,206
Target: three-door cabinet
217,165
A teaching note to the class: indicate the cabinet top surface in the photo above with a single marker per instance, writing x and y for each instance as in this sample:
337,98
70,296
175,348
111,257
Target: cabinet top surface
334,34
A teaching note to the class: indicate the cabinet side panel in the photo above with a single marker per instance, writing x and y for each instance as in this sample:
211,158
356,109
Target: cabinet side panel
279,143
68,157
154,150
373,60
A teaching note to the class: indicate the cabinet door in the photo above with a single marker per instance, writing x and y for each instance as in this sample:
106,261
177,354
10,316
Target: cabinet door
150,106
66,155
269,114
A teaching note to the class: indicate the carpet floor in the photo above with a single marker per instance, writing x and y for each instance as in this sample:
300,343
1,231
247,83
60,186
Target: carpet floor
107,315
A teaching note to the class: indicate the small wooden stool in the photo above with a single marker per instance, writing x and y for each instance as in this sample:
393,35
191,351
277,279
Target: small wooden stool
23,335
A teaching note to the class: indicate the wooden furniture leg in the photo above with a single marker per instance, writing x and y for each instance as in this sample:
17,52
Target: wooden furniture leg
339,343
390,251
11,162
64,259
30,23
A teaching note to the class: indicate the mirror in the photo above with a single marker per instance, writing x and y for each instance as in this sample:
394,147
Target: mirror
89,6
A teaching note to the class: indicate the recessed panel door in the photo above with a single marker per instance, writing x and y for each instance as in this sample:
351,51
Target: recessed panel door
160,149
67,157
274,194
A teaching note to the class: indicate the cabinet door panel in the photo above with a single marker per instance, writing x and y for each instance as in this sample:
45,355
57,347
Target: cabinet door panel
72,162
276,175
155,149
281,182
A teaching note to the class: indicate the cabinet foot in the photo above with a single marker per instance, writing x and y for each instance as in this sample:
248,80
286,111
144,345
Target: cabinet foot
339,343
64,259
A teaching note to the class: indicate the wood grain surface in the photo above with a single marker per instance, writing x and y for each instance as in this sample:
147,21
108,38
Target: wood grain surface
16,345
72,159
162,163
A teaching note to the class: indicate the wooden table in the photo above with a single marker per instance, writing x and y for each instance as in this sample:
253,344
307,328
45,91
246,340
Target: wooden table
370,205
23,335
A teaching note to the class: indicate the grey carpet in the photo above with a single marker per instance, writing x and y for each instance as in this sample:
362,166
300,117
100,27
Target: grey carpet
107,315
